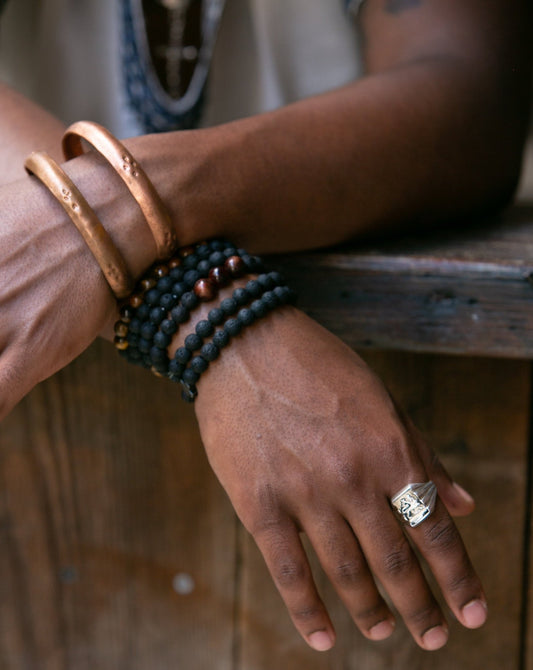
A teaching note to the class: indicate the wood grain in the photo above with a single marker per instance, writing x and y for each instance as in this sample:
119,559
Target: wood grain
463,292
122,552
106,498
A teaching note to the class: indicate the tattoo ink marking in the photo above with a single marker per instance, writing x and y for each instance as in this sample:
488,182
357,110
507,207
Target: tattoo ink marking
397,6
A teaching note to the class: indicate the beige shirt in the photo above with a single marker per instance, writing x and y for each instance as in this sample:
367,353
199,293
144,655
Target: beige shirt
66,56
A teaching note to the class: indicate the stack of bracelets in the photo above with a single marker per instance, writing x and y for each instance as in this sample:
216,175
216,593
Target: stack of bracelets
166,296
164,299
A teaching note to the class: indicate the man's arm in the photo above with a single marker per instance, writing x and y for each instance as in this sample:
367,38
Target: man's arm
433,132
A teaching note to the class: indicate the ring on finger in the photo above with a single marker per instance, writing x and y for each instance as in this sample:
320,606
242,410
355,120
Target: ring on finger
415,502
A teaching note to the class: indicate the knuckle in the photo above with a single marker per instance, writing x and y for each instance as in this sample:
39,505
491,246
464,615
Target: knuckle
465,581
289,574
442,536
346,476
305,614
399,561
420,616
264,516
259,525
349,573
368,615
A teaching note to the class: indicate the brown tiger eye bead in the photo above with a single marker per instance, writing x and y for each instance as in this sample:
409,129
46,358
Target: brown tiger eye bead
205,290
186,251
174,263
121,329
126,313
136,300
147,283
121,343
235,266
160,271
219,276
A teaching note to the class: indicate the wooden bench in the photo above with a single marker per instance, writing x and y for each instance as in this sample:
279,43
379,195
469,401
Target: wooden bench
120,551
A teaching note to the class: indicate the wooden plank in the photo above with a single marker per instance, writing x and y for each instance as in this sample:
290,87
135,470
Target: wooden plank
475,413
466,292
110,515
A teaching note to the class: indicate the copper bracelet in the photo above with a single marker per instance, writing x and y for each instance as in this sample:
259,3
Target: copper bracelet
131,173
84,218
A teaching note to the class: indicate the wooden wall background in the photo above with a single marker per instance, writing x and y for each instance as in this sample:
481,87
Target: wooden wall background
120,551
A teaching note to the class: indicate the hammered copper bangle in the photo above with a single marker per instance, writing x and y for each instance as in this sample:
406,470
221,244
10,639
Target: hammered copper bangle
131,173
96,237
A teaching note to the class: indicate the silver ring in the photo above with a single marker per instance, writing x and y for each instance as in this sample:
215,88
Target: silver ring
415,502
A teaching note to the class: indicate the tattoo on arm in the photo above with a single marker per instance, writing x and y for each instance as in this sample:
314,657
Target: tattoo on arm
397,6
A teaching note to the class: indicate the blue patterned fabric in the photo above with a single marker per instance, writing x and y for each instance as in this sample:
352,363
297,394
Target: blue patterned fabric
353,6
155,109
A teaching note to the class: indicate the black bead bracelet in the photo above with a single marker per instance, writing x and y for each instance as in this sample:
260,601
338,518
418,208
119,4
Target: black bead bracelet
188,372
222,314
164,299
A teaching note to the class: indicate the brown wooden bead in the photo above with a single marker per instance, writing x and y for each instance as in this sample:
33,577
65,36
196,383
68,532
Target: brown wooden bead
121,329
219,276
121,343
205,290
235,266
147,283
136,300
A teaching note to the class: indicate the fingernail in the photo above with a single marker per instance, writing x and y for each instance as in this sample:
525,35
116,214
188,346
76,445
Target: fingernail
464,494
435,638
475,614
381,630
320,641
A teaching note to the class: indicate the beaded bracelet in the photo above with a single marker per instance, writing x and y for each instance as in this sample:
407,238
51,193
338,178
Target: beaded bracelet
187,368
165,297
241,297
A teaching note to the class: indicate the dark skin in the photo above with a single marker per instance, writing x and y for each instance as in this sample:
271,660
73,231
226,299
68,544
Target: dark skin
303,437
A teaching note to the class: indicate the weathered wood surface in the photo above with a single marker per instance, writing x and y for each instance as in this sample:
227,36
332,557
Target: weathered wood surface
463,292
108,509
122,552
107,497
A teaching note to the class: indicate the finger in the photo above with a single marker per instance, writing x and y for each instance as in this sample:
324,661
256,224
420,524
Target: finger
342,559
440,543
393,561
288,564
457,501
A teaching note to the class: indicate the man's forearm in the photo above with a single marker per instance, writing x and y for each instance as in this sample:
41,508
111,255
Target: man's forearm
409,145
